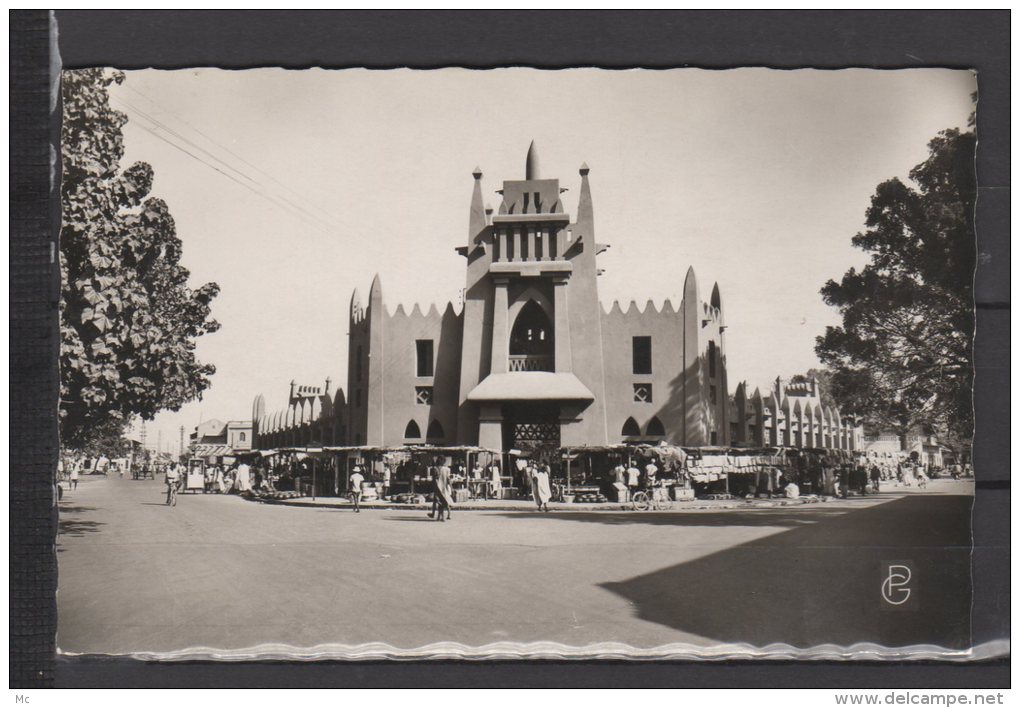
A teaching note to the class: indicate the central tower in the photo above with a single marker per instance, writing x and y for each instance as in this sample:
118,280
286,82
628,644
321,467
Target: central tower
532,368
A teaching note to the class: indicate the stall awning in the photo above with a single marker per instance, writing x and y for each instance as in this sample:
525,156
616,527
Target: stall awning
212,450
531,386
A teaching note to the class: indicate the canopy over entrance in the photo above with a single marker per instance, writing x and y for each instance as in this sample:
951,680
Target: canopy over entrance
531,386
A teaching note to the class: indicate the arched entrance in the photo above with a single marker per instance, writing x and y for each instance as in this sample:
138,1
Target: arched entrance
532,346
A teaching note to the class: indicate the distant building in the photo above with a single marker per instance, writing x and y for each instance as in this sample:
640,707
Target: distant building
213,439
918,442
791,414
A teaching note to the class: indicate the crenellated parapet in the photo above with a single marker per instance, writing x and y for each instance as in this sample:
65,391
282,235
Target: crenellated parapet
432,316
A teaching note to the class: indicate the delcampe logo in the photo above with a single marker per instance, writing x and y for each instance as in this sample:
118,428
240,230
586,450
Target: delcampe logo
899,585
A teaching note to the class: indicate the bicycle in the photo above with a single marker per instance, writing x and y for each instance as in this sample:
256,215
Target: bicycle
171,495
645,500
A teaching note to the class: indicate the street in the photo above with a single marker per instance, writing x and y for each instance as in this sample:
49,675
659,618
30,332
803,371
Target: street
224,573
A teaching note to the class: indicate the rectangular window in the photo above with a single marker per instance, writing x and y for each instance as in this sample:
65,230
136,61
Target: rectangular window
712,354
714,438
642,355
713,395
425,365
423,395
642,393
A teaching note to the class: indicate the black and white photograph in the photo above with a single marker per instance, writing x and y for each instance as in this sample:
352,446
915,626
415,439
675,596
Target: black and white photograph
517,364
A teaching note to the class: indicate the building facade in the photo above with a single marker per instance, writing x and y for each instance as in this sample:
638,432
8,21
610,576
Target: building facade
215,439
533,359
791,414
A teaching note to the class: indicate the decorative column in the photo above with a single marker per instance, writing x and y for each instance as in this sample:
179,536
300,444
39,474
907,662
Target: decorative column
517,243
532,255
500,334
501,245
561,339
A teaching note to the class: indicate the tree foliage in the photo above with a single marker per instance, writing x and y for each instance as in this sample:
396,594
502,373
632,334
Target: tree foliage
902,356
129,320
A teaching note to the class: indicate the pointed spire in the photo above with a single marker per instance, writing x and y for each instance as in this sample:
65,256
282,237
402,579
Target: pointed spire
531,167
476,220
375,293
355,303
585,213
690,289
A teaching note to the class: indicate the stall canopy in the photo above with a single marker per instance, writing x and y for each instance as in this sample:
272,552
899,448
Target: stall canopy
208,450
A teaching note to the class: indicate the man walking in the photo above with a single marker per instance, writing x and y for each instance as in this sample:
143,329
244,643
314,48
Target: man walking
357,479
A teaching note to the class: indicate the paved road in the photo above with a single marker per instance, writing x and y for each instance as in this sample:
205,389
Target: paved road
221,572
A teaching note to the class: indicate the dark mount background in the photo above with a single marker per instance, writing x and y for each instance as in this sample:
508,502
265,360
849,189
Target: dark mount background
822,39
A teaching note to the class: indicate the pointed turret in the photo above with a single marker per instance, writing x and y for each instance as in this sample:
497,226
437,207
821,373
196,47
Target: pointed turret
716,302
531,168
476,220
691,291
375,292
355,306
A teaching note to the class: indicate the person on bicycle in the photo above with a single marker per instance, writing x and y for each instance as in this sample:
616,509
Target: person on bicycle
173,478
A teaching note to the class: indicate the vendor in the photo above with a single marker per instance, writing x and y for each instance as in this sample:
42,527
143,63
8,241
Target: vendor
495,486
633,474
651,474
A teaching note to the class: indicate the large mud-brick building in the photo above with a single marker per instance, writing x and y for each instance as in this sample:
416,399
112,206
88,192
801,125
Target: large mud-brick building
532,357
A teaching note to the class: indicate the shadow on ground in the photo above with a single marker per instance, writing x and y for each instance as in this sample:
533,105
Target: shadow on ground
820,583
77,527
732,517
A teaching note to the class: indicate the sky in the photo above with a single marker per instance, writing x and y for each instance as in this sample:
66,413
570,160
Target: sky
291,188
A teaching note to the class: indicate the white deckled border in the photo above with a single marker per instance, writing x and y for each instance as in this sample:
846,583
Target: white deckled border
502,651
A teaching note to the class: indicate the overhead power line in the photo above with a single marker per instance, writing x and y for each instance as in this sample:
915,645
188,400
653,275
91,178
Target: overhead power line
239,176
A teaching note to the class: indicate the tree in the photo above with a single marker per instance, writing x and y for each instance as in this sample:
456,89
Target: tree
902,356
129,319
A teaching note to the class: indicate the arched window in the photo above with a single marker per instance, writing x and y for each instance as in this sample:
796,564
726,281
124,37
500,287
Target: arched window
532,332
242,437
630,429
435,431
655,428
412,431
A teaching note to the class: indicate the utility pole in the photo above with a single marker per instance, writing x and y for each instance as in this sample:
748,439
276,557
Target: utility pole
159,441
182,441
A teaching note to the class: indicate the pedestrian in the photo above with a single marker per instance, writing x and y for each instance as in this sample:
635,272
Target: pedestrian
386,476
218,480
618,473
633,474
651,474
495,482
243,477
441,495
357,480
876,478
540,486
74,476
922,478
525,475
